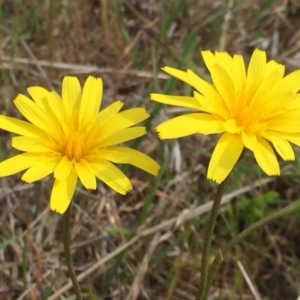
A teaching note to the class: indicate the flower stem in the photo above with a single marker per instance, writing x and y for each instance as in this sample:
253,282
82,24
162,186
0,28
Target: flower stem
67,251
218,259
207,241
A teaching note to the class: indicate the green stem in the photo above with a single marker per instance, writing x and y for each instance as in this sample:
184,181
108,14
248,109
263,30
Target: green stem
207,241
218,259
68,253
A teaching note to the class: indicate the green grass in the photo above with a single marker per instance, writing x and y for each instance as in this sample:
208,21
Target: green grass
131,35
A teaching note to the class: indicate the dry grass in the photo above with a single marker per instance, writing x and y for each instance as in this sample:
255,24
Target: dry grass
146,245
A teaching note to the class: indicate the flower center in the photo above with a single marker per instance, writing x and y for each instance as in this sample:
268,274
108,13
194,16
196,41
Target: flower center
74,146
244,118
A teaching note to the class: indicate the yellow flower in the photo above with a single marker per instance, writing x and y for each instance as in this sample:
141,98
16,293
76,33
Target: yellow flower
250,109
69,137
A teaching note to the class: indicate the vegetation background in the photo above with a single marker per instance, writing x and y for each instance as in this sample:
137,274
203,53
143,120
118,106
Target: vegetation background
146,245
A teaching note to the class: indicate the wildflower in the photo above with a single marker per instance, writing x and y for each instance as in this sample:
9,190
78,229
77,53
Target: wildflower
257,109
69,137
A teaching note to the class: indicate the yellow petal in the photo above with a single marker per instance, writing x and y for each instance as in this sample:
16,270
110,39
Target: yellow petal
224,60
17,163
107,114
291,137
124,155
36,115
224,85
120,136
225,156
239,73
291,82
39,95
132,116
266,157
62,193
232,126
86,174
183,101
210,105
56,110
177,74
210,124
49,102
273,66
112,176
281,145
264,97
91,99
27,144
180,126
189,124
31,111
284,125
249,140
294,102
39,170
209,59
256,67
102,118
204,87
21,127
124,119
63,168
71,93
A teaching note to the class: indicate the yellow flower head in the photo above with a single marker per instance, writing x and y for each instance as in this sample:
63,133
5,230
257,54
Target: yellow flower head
69,137
250,108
